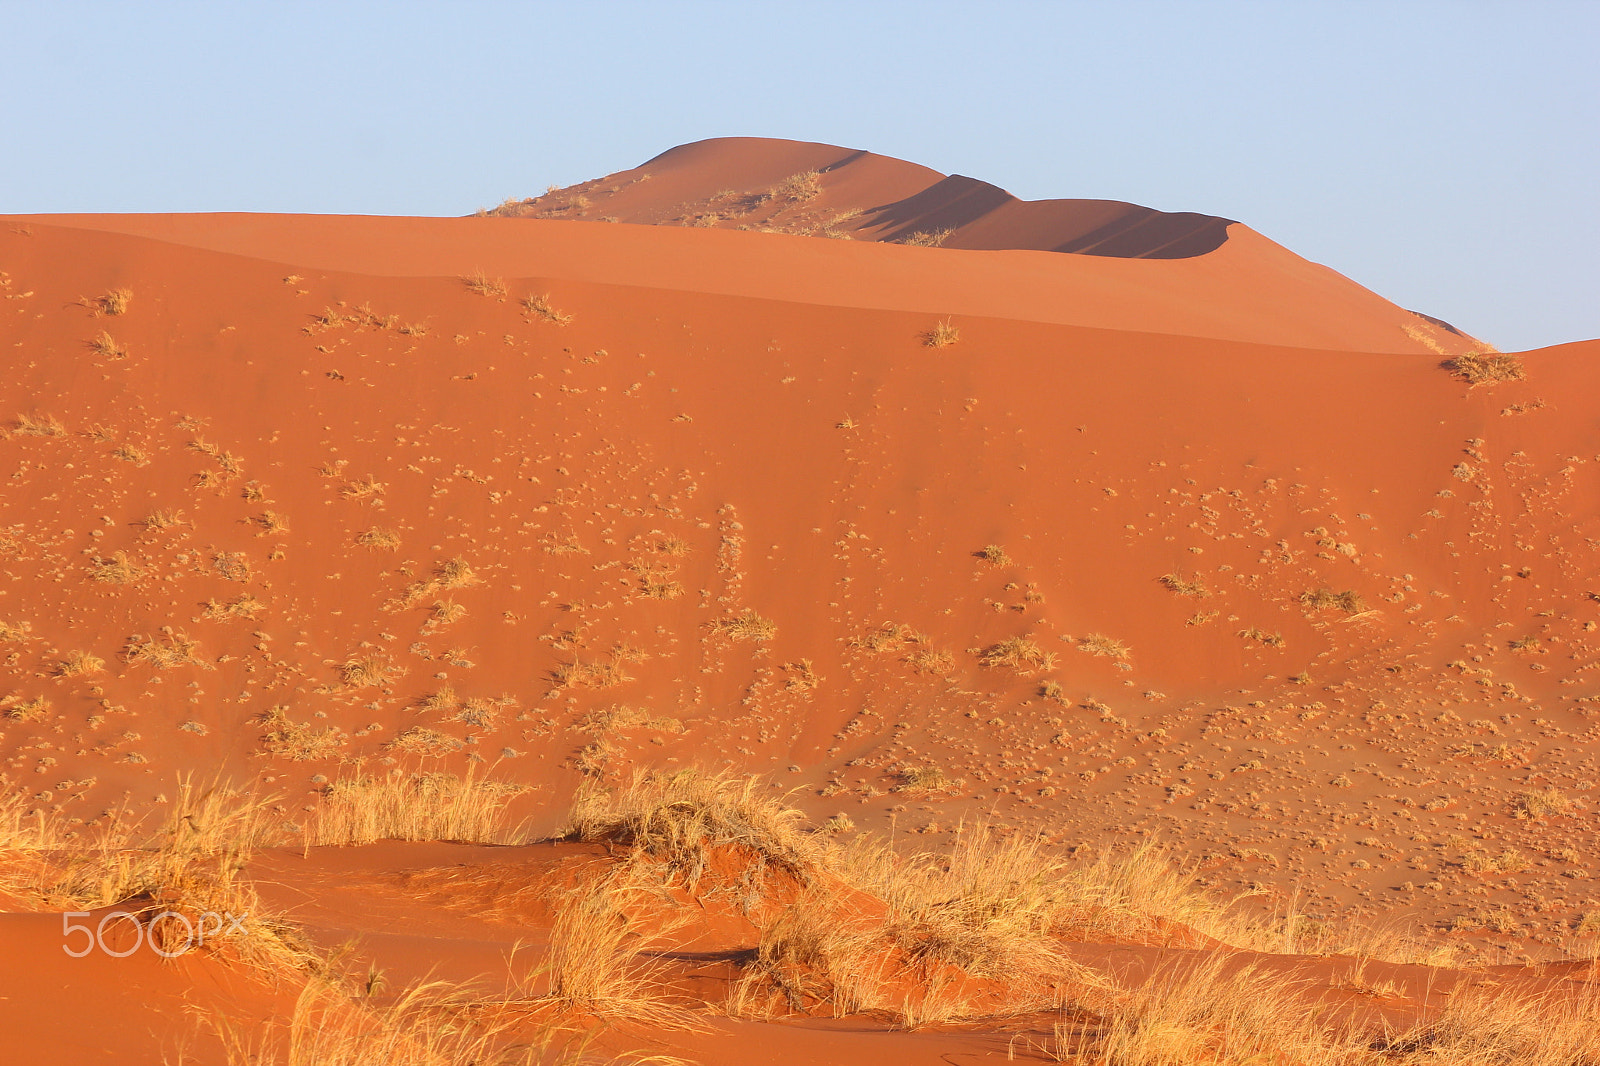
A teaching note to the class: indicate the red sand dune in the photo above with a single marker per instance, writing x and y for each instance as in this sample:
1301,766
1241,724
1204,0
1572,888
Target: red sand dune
1175,455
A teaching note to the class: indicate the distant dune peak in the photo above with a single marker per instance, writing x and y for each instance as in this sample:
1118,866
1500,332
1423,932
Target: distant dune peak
823,190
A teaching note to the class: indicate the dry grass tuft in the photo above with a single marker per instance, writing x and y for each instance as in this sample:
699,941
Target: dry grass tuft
170,650
1349,601
78,663
799,188
678,817
1184,587
1102,645
1485,368
932,238
38,426
411,806
1019,654
115,302
117,570
298,741
993,554
484,285
1543,803
539,307
379,539
106,347
942,335
246,607
20,710
746,625
367,671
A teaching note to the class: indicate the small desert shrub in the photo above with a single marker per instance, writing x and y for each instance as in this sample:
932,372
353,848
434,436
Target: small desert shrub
1485,368
924,779
483,285
106,347
799,188
597,673
165,652
21,710
298,741
76,663
993,554
930,661
1184,587
420,740
363,488
942,335
409,806
379,539
1542,803
1261,636
678,817
162,518
1100,644
926,238
1349,601
113,303
366,671
246,607
39,426
745,626
1019,654
13,631
539,307
117,570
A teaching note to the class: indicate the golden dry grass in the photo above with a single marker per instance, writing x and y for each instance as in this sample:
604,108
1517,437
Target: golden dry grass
538,306
379,539
747,625
401,805
1325,599
117,570
1485,368
284,738
484,285
942,335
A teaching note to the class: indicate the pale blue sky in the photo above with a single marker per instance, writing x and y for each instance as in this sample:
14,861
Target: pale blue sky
1445,154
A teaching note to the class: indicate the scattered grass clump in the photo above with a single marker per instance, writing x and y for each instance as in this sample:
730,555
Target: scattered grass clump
993,554
926,238
171,649
1183,586
942,335
113,303
379,539
284,738
799,188
245,606
747,625
678,817
117,570
1019,654
78,663
39,426
1485,368
1107,647
1324,599
1542,803
366,671
106,347
401,805
484,285
20,710
538,306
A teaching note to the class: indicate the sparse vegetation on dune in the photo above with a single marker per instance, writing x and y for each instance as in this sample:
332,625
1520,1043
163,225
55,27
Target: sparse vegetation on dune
1485,368
963,935
942,335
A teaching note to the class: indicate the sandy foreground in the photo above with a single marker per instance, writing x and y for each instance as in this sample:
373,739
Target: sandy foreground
1062,526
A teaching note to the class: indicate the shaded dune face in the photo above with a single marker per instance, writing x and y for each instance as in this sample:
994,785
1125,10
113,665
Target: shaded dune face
737,181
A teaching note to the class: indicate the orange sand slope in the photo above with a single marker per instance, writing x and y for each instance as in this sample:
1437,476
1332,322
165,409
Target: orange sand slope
1139,270
1211,546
